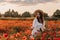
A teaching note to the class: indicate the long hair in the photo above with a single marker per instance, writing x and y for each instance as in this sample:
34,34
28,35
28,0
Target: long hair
41,19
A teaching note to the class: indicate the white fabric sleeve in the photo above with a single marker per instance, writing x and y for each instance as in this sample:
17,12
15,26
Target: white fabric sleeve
34,23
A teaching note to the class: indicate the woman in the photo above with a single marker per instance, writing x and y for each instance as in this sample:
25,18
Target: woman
38,23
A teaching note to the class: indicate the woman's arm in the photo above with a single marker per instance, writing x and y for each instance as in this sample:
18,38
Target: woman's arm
44,25
34,24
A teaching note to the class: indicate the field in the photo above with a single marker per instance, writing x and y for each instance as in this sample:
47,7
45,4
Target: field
20,29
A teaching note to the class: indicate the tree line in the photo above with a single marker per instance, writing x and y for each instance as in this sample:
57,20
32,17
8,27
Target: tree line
16,14
13,13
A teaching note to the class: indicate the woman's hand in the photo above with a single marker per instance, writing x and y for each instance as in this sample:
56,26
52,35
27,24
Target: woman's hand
32,28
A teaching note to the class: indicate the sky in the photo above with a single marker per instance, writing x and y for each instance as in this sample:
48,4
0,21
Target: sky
48,6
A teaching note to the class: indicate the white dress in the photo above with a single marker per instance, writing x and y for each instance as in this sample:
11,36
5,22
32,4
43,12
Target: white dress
36,26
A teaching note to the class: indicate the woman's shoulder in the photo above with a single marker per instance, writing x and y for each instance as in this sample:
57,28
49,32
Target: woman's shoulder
35,20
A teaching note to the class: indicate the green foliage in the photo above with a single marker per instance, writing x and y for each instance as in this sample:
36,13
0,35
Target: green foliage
11,14
57,13
46,15
26,14
8,14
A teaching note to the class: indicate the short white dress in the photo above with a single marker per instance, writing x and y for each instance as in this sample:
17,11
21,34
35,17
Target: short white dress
36,26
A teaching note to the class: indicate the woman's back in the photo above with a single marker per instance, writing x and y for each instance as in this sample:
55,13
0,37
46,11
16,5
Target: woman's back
36,24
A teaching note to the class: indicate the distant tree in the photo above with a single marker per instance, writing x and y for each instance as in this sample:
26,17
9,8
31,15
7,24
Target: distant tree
45,15
33,15
26,14
13,11
8,14
57,14
19,16
14,14
11,14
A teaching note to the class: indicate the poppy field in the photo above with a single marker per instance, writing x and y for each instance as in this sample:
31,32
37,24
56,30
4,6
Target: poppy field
20,29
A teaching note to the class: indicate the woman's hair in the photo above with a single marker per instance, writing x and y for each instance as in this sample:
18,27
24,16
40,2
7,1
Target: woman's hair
41,19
